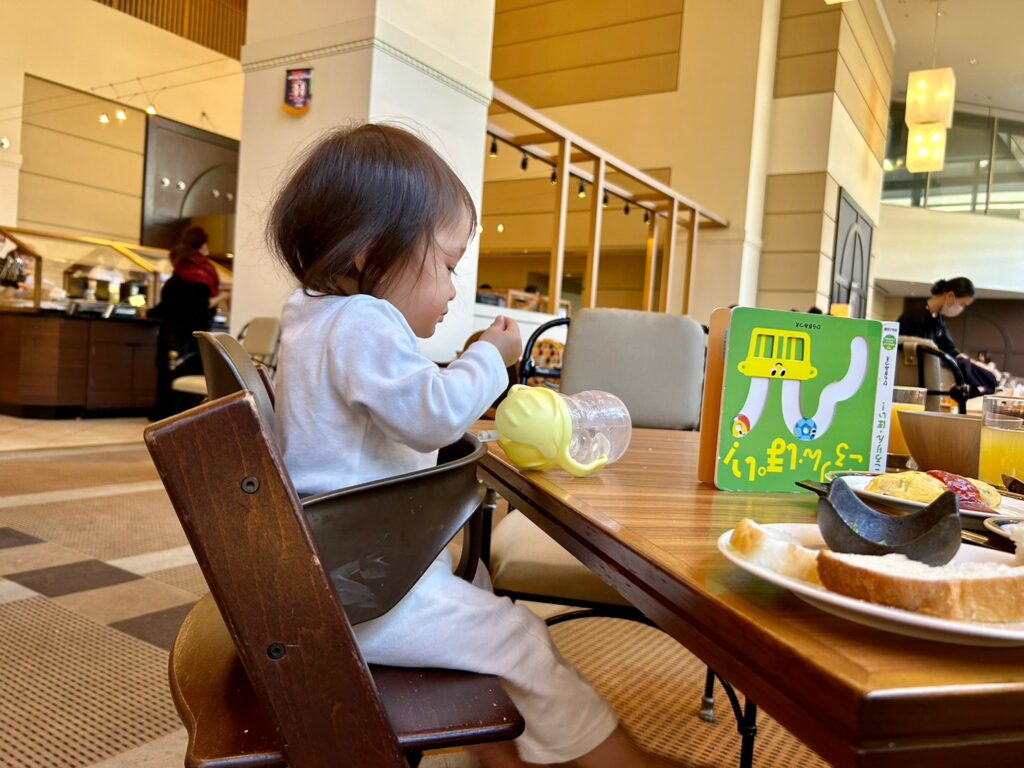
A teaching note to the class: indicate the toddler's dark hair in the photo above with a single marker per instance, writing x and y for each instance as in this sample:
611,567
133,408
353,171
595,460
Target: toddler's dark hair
376,191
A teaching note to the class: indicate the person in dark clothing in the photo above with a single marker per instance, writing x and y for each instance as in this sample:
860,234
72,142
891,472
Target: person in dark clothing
187,305
928,320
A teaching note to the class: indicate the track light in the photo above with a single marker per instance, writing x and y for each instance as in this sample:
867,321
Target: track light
501,227
494,147
625,208
647,216
104,119
604,200
554,175
151,110
525,162
121,115
581,192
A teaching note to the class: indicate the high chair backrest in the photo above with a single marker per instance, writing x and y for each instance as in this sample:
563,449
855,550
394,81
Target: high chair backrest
375,539
245,523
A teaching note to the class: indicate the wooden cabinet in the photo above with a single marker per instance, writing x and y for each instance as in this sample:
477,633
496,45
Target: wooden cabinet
122,366
52,366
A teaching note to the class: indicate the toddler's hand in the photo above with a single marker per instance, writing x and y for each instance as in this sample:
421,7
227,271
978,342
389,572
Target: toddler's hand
504,334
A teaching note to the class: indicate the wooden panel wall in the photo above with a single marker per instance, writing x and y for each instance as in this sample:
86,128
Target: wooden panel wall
78,175
842,49
217,24
555,52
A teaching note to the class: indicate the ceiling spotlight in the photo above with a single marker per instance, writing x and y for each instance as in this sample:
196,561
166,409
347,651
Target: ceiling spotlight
525,162
164,181
180,185
230,196
121,115
647,216
5,143
581,192
554,175
215,192
604,200
501,227
625,208
104,119
493,152
479,229
151,110
974,61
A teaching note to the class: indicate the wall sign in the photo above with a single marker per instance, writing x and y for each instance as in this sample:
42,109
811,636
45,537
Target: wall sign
298,91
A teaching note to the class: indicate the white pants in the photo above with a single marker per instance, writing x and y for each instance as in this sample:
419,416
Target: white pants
448,623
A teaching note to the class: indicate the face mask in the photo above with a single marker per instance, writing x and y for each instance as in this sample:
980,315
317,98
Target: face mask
953,311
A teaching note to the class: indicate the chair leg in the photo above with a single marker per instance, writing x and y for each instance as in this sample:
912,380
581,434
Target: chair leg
413,758
487,507
707,704
746,717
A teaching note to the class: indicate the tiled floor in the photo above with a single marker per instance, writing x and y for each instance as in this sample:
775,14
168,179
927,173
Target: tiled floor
24,434
96,577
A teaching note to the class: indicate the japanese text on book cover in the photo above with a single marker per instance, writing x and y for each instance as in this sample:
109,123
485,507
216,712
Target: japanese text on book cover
803,395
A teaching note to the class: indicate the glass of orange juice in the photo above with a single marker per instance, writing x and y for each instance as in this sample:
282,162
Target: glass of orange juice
903,399
1002,439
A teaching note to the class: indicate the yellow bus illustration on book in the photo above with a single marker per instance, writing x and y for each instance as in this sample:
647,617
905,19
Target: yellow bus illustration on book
777,354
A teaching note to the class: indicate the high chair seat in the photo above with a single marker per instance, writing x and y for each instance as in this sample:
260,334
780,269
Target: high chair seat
227,725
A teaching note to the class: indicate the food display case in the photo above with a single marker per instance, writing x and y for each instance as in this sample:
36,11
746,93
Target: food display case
73,335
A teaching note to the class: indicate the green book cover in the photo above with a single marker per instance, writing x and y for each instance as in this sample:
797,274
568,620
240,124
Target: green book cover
803,395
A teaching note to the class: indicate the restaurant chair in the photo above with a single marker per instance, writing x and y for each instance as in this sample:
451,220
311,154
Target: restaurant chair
265,670
922,364
260,338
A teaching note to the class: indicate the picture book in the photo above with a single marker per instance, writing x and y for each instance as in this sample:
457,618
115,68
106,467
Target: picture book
791,396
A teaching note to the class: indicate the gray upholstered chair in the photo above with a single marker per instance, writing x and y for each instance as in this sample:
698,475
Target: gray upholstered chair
654,363
921,364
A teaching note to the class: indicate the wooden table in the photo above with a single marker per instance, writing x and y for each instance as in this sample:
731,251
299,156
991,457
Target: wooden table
857,696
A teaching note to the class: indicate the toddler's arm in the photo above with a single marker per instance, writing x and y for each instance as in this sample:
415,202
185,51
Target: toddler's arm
408,396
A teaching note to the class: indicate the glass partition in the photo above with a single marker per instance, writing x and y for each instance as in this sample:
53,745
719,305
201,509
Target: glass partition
983,173
74,273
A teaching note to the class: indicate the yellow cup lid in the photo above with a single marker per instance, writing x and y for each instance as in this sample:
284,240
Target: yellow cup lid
535,431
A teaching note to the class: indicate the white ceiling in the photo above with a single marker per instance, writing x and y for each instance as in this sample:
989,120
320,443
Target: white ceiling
988,31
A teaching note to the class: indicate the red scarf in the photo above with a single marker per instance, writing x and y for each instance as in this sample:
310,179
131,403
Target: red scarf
198,269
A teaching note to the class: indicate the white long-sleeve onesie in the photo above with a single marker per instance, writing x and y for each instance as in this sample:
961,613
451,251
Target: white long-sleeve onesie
356,402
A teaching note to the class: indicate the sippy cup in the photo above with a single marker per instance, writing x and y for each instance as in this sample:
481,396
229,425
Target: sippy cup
540,429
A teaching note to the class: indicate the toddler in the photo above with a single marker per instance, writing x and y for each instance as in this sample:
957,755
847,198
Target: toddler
373,225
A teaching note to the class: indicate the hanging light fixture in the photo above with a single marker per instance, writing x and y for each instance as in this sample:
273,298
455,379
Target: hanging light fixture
926,148
930,97
647,216
931,94
625,208
581,191
554,175
604,200
494,147
525,162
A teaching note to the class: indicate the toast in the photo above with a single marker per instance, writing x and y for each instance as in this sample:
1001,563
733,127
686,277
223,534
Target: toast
775,551
985,592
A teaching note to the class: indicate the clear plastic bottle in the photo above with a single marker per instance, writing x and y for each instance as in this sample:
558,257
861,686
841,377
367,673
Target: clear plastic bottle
600,426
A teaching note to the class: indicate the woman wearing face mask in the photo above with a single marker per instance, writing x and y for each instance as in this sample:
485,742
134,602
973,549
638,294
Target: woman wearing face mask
949,298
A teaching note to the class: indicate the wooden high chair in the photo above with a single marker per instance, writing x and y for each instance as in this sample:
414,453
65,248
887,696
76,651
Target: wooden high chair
265,670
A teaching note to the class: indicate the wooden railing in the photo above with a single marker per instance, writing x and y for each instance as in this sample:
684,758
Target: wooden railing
216,24
567,154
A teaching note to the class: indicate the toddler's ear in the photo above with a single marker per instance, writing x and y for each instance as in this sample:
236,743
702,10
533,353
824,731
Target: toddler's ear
360,263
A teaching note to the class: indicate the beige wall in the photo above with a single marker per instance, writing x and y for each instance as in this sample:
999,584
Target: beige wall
87,46
78,175
829,115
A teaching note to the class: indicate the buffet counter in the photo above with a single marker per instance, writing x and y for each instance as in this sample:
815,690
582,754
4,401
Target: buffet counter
57,366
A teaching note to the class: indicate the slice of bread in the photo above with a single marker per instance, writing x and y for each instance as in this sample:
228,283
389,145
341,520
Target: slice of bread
987,591
775,550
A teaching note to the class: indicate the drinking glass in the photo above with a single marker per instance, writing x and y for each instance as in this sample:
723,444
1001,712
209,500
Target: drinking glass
1002,439
903,399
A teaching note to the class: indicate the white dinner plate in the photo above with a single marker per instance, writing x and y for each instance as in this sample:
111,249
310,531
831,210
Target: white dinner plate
880,616
858,484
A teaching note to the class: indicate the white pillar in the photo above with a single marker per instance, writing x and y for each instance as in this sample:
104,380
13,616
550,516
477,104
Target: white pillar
422,63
